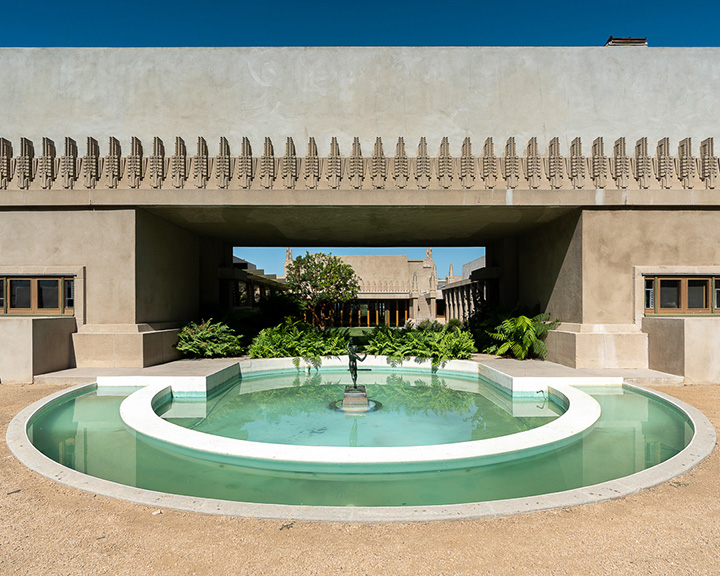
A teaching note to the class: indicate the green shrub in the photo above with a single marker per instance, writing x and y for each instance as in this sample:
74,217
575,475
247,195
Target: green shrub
293,339
521,337
208,340
453,324
430,326
439,345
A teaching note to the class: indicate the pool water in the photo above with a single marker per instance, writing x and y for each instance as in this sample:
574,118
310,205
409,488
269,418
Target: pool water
84,432
417,410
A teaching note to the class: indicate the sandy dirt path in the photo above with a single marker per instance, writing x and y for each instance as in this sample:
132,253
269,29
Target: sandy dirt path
48,529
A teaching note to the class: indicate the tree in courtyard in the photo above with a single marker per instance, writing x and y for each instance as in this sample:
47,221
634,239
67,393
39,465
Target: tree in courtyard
319,281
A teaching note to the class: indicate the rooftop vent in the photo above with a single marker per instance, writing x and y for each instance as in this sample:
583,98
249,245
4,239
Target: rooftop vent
612,41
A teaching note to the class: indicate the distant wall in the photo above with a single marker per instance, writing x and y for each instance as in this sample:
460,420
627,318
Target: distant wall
469,267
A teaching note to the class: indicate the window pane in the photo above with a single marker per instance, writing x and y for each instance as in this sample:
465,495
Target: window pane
69,293
649,294
48,294
19,293
2,295
669,293
698,294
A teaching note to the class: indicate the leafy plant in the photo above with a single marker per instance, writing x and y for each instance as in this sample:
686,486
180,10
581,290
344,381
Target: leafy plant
522,337
439,345
208,340
453,324
293,339
431,326
319,281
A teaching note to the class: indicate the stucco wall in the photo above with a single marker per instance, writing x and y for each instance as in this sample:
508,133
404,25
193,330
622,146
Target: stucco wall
550,268
391,268
34,346
103,241
364,92
684,346
16,346
614,241
666,344
167,271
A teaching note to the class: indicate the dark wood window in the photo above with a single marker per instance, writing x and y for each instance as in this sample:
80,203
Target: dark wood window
682,295
47,295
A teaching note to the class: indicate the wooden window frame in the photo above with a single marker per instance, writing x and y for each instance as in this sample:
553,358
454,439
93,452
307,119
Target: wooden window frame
713,283
35,309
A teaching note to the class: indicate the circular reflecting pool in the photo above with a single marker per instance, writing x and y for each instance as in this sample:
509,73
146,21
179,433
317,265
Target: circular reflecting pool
83,431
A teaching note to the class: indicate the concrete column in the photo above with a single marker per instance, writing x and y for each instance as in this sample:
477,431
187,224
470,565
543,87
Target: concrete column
215,294
504,254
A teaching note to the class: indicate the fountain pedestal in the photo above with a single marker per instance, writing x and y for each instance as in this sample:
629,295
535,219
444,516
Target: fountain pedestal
355,399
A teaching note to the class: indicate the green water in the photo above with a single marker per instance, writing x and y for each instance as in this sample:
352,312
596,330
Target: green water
415,410
634,432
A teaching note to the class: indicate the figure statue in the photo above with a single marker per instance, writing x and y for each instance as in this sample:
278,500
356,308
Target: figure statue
353,360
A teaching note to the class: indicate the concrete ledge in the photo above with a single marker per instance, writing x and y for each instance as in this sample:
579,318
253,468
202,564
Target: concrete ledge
192,385
594,349
125,349
138,413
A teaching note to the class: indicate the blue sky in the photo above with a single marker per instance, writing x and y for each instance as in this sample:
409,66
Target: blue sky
366,23
272,259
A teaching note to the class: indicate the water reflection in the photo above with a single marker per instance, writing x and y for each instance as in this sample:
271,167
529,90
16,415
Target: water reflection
634,432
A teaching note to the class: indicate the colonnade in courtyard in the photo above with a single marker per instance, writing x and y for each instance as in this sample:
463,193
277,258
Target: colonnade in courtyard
461,299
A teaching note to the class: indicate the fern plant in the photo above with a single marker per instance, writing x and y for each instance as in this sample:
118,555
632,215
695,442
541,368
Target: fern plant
439,345
208,340
293,339
521,337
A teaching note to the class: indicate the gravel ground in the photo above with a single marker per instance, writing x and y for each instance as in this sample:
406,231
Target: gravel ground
48,529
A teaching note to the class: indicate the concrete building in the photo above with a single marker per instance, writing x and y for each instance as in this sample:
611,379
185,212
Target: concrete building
393,290
251,285
588,173
461,294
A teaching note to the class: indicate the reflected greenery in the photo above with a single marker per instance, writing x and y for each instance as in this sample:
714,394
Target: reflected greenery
407,401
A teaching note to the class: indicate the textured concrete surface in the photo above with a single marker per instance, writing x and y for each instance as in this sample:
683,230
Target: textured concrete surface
365,92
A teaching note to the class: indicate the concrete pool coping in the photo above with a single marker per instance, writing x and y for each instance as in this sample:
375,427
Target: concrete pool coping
700,447
139,414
